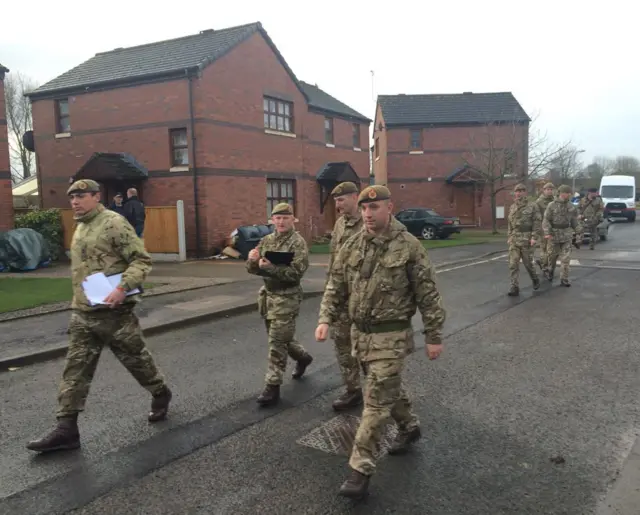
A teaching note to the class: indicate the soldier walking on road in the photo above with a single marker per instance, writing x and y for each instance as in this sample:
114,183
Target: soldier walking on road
103,242
346,198
382,275
279,299
559,223
524,227
591,211
543,201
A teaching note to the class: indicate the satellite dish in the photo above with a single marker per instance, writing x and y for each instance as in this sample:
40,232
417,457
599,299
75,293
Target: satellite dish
28,141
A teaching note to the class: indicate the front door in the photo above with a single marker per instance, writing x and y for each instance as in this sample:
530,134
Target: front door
464,197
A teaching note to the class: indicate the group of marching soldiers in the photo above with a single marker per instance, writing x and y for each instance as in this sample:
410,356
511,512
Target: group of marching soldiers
550,223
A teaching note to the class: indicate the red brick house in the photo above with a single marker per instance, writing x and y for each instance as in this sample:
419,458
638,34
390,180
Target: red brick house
6,196
216,119
436,151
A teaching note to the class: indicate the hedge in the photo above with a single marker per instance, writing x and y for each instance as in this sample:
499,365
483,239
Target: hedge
47,222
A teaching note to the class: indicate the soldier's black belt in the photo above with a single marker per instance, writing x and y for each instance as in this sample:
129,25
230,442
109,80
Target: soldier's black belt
563,226
382,326
524,228
282,289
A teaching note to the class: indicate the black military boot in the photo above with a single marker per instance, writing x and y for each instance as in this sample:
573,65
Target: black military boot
565,282
160,405
536,283
348,400
301,366
356,485
403,441
514,291
549,274
269,396
65,436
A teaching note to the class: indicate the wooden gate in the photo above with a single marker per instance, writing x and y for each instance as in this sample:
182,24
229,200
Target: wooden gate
160,229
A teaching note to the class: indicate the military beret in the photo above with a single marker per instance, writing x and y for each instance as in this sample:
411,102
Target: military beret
344,188
564,189
593,190
374,194
84,186
520,187
282,209
548,185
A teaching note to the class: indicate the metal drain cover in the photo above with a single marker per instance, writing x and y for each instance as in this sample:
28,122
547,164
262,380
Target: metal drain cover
336,436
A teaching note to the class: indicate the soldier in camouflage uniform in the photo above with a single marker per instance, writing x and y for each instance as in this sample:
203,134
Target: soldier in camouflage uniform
381,276
559,223
279,299
543,201
102,242
524,226
345,195
591,213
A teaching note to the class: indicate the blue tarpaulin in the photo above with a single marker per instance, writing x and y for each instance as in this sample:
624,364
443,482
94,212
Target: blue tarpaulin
23,250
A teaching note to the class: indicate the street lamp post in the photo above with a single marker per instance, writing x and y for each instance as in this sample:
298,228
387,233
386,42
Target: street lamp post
573,186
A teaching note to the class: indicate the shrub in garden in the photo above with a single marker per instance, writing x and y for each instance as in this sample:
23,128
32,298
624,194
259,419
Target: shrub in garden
47,222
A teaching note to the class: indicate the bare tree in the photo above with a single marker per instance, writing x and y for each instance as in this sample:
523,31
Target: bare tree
626,165
606,166
565,165
19,121
502,153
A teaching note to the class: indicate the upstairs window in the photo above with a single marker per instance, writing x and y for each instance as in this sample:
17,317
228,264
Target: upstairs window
63,124
328,130
356,135
278,115
179,147
416,139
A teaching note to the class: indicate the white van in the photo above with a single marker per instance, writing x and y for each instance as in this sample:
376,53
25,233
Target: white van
618,194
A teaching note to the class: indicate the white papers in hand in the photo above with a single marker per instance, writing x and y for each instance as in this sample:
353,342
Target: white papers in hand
97,287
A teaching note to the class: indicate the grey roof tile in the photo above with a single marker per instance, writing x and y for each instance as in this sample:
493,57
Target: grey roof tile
152,59
451,109
322,100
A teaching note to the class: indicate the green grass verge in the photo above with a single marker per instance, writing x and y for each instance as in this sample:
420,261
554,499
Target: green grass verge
472,237
30,292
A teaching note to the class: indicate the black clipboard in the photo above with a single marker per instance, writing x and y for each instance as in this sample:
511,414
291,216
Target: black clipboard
279,258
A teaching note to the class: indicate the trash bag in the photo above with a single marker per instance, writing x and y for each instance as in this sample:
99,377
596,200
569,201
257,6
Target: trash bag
249,236
22,250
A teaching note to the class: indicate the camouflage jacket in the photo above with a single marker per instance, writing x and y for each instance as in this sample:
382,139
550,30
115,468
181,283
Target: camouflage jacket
384,279
105,242
524,222
591,209
542,202
281,294
345,227
561,220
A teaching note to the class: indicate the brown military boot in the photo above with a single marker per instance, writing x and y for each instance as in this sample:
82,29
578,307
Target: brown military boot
348,400
356,485
514,291
65,436
160,405
269,396
403,441
301,366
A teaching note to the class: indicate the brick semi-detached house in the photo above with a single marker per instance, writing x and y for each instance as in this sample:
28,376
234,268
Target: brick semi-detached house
6,197
436,151
216,119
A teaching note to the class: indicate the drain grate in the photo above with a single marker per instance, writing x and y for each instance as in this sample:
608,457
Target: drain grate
336,436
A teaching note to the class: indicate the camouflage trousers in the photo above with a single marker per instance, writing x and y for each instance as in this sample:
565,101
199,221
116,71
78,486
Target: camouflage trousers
559,250
593,231
524,252
544,253
349,366
282,344
384,399
89,332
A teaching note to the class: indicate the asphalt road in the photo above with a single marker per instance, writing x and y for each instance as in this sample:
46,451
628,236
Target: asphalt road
523,381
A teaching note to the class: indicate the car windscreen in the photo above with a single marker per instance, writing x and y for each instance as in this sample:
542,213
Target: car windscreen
617,191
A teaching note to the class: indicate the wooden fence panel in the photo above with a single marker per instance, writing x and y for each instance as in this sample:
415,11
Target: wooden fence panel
160,229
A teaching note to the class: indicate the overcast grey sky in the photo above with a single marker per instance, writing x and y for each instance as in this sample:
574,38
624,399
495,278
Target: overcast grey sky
572,63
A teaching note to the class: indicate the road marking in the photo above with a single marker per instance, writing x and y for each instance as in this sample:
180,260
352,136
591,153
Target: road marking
502,256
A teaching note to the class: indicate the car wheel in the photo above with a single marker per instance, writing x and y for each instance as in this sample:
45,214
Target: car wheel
428,232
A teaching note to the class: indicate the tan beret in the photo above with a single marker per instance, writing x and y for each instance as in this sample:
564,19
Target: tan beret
84,186
344,188
374,194
520,187
548,185
282,209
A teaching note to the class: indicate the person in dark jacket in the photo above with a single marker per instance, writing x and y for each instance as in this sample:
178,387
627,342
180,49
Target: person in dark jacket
117,204
134,211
